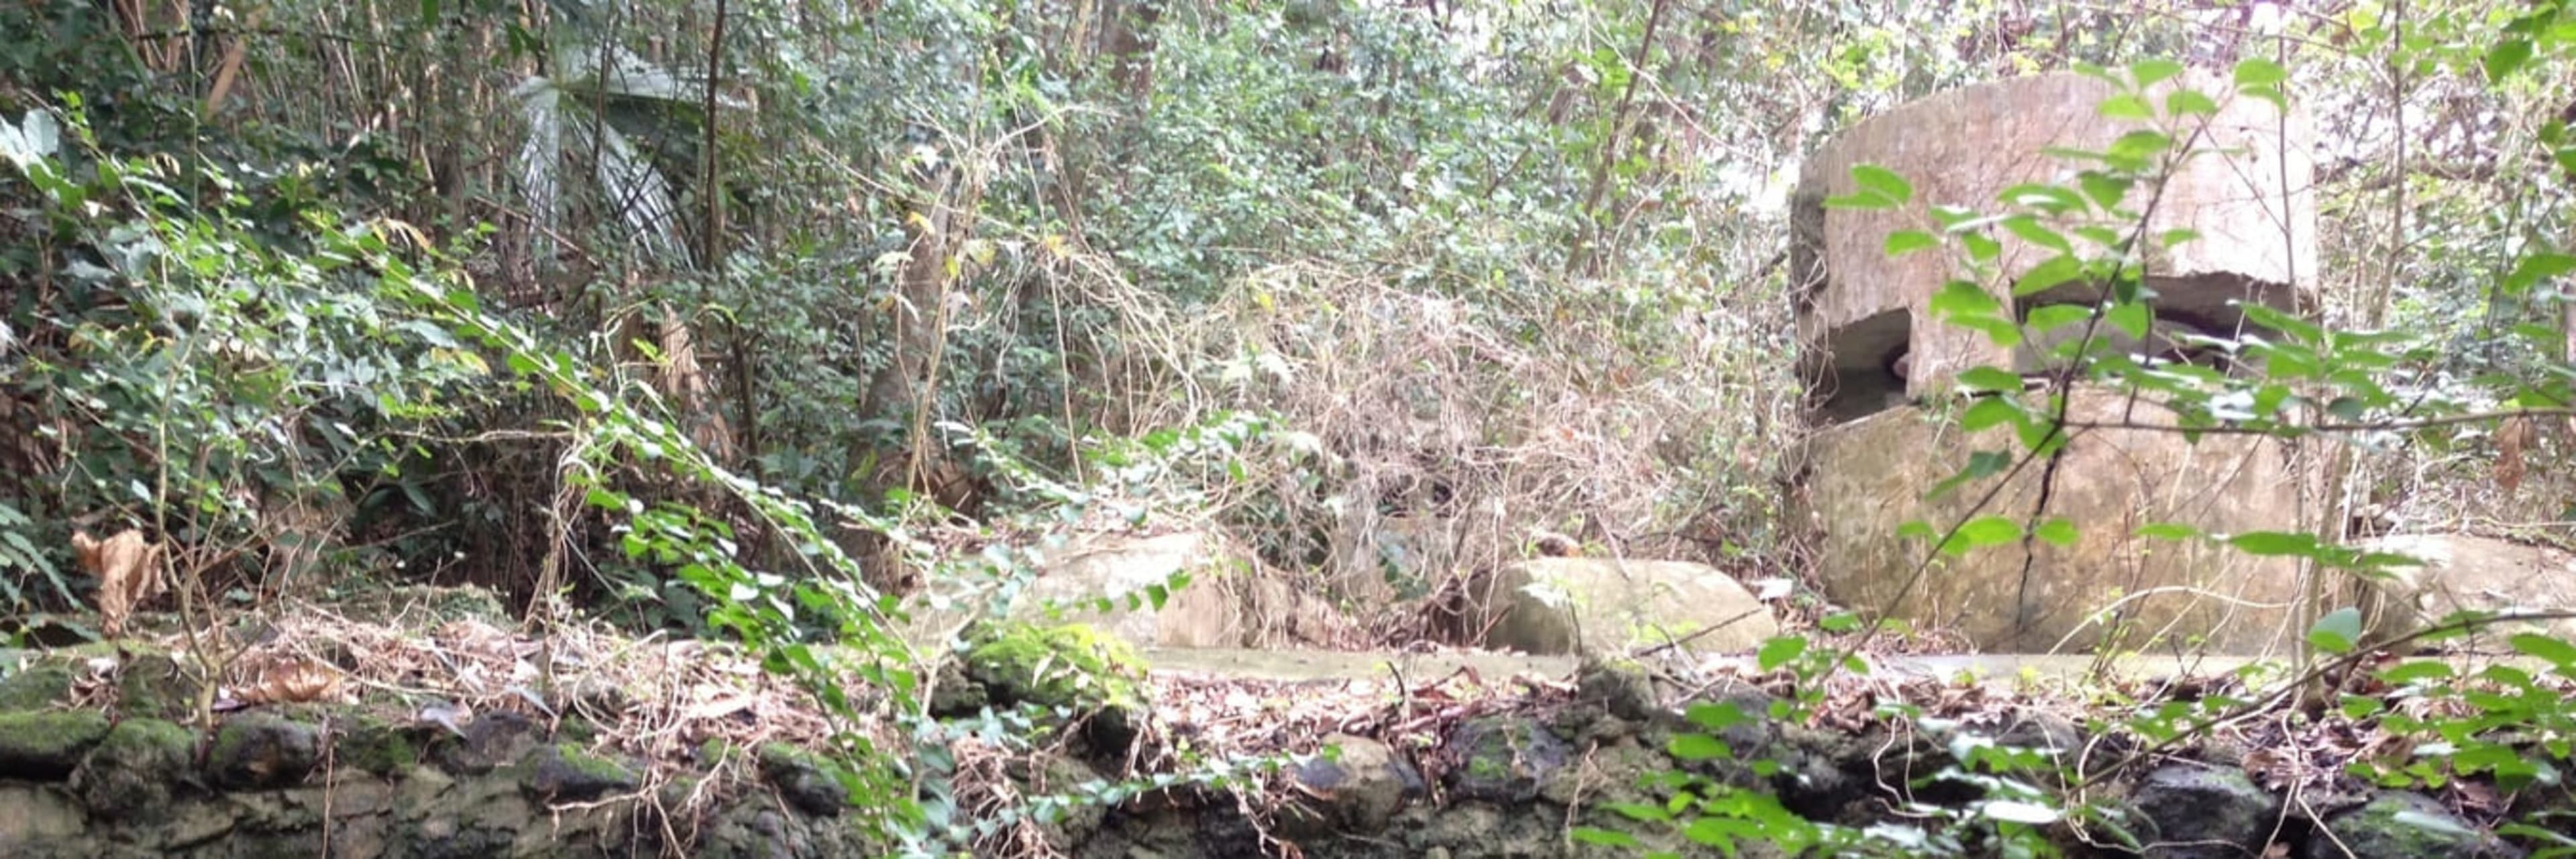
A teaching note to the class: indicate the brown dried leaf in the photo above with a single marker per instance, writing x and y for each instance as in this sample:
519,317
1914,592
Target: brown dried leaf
290,680
2512,437
129,573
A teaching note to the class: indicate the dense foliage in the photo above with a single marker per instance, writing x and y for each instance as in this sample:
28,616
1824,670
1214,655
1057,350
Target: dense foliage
714,314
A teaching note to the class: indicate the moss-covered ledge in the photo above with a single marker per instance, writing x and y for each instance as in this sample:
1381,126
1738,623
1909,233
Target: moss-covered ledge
300,782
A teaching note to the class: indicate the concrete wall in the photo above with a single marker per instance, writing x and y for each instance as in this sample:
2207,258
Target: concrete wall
1876,453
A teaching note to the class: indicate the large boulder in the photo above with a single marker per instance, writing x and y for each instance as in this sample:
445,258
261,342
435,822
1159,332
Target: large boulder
2461,572
1571,605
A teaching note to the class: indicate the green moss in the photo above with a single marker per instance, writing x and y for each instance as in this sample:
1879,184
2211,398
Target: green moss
379,747
132,770
580,760
153,686
37,687
782,755
1072,665
47,745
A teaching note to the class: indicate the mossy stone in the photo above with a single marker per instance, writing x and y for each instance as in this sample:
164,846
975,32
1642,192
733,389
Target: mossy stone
37,687
564,772
133,770
803,778
260,751
152,685
377,746
47,746
2397,823
1070,666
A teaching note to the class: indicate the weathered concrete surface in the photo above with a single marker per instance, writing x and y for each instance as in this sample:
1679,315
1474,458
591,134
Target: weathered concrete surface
1867,478
2463,572
1962,147
1568,605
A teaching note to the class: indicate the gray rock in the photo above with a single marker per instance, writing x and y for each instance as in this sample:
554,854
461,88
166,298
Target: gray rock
802,779
2043,731
1502,758
2398,824
2190,812
1359,783
260,751
490,741
566,773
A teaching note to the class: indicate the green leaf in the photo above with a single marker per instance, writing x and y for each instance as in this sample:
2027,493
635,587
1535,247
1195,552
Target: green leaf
2050,317
2132,318
2049,274
2127,106
2552,650
2107,190
2031,230
2506,57
1961,298
2257,71
1779,651
1603,837
1699,747
1884,182
1982,532
1718,716
2185,102
1991,411
2057,531
2139,149
2338,631
2154,70
2531,270
2275,543
1904,242
2167,531
1990,378
1981,247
